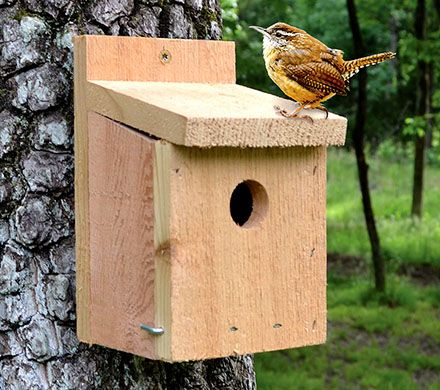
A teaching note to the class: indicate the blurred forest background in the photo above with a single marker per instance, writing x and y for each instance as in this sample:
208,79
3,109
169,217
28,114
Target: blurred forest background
380,335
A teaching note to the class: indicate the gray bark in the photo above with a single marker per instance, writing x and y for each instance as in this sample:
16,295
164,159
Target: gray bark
38,345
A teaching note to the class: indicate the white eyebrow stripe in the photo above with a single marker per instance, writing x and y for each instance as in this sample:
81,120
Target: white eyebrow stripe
287,33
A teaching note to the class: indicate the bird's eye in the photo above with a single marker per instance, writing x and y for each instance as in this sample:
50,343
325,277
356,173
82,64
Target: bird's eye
278,34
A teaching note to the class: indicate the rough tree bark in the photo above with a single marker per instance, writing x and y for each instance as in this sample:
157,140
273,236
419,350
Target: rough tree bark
38,346
423,108
358,140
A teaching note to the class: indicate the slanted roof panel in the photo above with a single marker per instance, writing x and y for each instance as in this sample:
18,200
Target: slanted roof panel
208,115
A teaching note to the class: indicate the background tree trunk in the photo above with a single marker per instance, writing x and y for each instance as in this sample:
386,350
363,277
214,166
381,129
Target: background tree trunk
358,141
38,346
423,108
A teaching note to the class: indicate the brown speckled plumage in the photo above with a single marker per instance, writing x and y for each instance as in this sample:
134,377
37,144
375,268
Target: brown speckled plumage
305,69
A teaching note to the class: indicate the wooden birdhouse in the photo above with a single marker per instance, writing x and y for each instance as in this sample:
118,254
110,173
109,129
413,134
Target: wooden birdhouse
200,212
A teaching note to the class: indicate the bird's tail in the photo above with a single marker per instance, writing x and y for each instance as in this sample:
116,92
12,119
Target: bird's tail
353,66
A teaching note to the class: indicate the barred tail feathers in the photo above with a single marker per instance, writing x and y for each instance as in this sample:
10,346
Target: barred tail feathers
353,66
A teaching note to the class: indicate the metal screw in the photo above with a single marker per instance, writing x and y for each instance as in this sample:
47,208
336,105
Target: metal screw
152,330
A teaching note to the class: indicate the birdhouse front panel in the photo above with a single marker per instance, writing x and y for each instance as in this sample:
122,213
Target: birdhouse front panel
247,250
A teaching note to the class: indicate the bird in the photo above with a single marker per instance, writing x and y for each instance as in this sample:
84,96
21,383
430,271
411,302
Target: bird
306,70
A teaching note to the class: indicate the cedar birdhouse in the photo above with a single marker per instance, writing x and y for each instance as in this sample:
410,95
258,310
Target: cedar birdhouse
200,212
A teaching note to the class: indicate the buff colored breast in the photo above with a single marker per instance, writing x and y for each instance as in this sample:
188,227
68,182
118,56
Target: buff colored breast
290,87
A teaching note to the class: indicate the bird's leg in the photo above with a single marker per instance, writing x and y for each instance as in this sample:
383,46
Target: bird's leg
293,114
317,104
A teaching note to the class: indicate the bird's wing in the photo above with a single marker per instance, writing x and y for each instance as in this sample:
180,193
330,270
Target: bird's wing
334,57
320,76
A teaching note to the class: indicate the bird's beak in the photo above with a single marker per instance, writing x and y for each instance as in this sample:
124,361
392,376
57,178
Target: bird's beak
260,30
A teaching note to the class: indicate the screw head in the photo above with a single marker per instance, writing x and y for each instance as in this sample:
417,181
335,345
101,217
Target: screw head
165,56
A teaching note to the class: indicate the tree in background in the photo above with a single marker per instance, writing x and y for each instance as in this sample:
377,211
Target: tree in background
423,107
358,141
422,110
309,15
419,49
38,346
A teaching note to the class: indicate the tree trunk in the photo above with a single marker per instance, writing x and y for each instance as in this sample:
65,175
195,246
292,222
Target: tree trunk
38,346
358,141
422,110
437,8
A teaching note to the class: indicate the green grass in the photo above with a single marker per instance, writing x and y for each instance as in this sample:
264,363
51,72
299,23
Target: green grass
375,341
370,345
402,238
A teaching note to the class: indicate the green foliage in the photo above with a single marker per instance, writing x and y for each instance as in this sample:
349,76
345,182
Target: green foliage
315,17
415,126
231,27
386,25
395,151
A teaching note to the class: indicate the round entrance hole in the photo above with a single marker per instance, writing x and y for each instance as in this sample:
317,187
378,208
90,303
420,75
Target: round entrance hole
249,203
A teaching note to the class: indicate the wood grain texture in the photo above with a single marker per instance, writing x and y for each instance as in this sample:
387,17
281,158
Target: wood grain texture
139,59
156,243
82,232
162,249
208,115
226,277
121,237
216,288
130,59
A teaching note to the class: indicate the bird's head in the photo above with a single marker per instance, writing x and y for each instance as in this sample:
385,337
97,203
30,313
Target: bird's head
278,35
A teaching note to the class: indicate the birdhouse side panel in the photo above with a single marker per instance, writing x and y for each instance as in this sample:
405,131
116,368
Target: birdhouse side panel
121,237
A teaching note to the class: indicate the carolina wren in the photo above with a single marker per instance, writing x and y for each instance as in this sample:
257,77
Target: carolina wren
305,69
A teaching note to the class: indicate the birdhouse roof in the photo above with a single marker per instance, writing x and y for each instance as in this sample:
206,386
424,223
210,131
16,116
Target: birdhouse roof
208,115
184,91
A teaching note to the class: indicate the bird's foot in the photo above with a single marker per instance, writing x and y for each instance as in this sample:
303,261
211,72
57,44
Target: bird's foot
307,117
322,108
293,114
